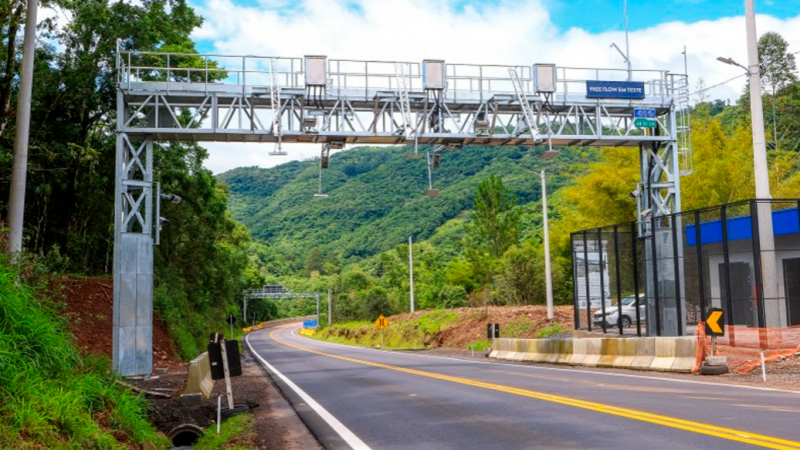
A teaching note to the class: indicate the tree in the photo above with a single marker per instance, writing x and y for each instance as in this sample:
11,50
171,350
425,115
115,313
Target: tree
778,65
778,69
495,224
315,261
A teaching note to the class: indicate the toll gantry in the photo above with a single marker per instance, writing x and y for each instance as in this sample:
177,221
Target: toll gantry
431,106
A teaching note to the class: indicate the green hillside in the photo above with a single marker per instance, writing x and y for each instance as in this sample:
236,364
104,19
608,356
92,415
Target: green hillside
376,196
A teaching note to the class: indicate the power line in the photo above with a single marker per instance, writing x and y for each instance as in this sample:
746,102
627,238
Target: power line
718,84
726,81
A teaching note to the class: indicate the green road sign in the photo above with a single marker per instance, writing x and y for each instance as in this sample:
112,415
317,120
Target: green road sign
645,123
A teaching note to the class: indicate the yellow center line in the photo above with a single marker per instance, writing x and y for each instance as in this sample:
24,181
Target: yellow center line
696,427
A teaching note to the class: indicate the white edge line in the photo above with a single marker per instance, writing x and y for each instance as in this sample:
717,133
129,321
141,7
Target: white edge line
345,433
557,369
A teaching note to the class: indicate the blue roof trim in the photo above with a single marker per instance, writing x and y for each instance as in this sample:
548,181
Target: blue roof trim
784,221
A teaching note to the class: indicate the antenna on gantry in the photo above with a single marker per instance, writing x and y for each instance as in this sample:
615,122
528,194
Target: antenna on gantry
275,100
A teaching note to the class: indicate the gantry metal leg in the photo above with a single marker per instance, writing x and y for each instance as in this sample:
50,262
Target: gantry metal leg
132,351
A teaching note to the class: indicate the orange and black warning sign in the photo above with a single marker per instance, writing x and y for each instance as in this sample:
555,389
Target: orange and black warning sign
715,322
382,322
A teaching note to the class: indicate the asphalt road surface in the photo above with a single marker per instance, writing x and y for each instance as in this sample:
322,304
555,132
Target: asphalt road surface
363,398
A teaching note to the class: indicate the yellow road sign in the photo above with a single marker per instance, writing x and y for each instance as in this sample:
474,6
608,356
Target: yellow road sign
382,322
715,322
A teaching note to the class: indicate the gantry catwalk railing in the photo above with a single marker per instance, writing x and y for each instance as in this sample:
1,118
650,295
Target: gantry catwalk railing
232,98
339,102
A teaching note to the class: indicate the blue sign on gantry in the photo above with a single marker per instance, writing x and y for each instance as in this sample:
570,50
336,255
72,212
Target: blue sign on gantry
629,90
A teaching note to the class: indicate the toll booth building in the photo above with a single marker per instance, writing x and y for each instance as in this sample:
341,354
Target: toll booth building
682,264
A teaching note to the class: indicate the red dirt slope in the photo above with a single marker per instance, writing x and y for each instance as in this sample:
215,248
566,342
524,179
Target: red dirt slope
89,304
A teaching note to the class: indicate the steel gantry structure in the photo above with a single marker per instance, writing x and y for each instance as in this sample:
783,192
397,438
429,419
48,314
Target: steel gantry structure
338,102
275,293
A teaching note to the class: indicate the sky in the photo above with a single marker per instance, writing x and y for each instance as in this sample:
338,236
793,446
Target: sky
575,33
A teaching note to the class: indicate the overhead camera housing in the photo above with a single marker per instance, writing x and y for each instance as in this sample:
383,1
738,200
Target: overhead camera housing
172,198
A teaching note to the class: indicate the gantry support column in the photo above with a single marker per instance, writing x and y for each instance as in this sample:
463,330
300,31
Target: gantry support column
132,348
660,196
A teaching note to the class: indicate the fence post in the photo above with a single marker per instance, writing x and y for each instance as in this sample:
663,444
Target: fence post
677,263
586,276
700,270
635,254
619,282
762,320
727,265
602,284
575,296
654,259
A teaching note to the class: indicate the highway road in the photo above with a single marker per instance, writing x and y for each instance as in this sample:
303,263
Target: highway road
365,398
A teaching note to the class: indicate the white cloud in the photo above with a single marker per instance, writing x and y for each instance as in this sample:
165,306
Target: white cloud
505,32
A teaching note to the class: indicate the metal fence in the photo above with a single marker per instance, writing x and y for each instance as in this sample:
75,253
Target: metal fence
659,276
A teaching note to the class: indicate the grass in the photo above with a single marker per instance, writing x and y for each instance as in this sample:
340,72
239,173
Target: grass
554,329
419,333
51,397
518,327
235,433
481,345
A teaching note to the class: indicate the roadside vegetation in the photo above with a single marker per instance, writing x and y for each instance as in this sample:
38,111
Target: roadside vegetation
235,433
50,396
459,329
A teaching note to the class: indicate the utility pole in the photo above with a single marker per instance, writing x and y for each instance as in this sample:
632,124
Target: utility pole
627,41
548,275
766,238
19,171
411,270
330,308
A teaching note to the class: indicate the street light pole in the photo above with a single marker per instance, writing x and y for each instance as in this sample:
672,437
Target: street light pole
627,42
764,210
547,271
756,106
19,171
411,270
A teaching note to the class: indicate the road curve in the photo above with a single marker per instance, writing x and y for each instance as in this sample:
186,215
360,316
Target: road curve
355,397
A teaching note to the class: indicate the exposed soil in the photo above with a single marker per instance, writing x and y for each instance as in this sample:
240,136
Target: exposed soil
472,326
277,425
89,306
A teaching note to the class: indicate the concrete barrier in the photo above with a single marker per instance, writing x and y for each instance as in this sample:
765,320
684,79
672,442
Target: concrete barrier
495,349
626,352
674,354
644,352
685,354
500,348
516,350
594,349
578,352
552,349
665,354
199,377
565,347
609,350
